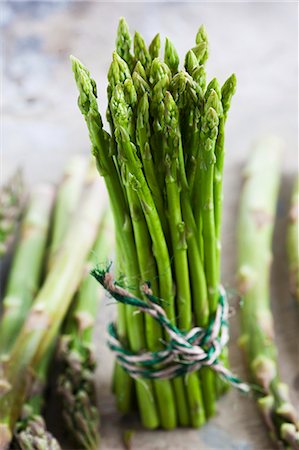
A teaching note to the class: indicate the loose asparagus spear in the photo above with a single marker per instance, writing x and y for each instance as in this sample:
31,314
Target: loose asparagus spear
31,426
26,270
293,241
66,202
48,311
255,230
76,384
12,200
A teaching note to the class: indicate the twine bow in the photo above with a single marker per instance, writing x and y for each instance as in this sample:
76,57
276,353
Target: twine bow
184,352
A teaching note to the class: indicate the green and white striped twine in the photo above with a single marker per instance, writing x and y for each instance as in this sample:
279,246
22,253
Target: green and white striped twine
184,352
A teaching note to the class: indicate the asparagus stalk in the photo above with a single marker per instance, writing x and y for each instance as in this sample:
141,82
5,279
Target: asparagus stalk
122,110
106,166
47,312
123,226
255,230
66,202
76,384
124,43
171,57
227,92
154,47
12,200
209,130
122,105
143,247
293,241
31,427
26,270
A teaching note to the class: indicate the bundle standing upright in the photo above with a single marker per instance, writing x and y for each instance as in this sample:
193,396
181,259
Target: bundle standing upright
162,163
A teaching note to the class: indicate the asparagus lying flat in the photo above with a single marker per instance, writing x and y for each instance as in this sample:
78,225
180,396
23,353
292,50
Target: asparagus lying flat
293,242
76,382
32,433
12,199
67,202
25,274
31,427
255,229
48,310
167,135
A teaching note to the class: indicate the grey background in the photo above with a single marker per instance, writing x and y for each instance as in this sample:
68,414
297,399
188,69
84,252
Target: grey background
42,127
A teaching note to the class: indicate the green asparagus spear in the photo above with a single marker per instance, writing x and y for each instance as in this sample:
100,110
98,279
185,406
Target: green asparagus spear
171,150
154,47
123,226
146,260
171,57
227,91
208,136
27,265
31,427
201,50
75,383
32,433
123,102
66,202
255,230
47,313
293,241
161,158
100,141
141,52
124,43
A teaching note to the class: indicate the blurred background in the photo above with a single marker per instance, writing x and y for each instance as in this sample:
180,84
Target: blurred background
42,127
41,123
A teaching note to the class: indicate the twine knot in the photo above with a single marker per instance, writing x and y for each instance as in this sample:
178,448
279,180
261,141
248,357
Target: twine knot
184,352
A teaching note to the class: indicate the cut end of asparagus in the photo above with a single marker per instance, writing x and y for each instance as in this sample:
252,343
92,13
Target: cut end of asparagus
76,387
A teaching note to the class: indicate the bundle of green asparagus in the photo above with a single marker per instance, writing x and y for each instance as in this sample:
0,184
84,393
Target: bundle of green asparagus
293,241
255,229
163,164
12,200
27,357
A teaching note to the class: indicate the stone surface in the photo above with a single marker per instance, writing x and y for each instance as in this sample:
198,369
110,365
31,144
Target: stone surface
41,128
